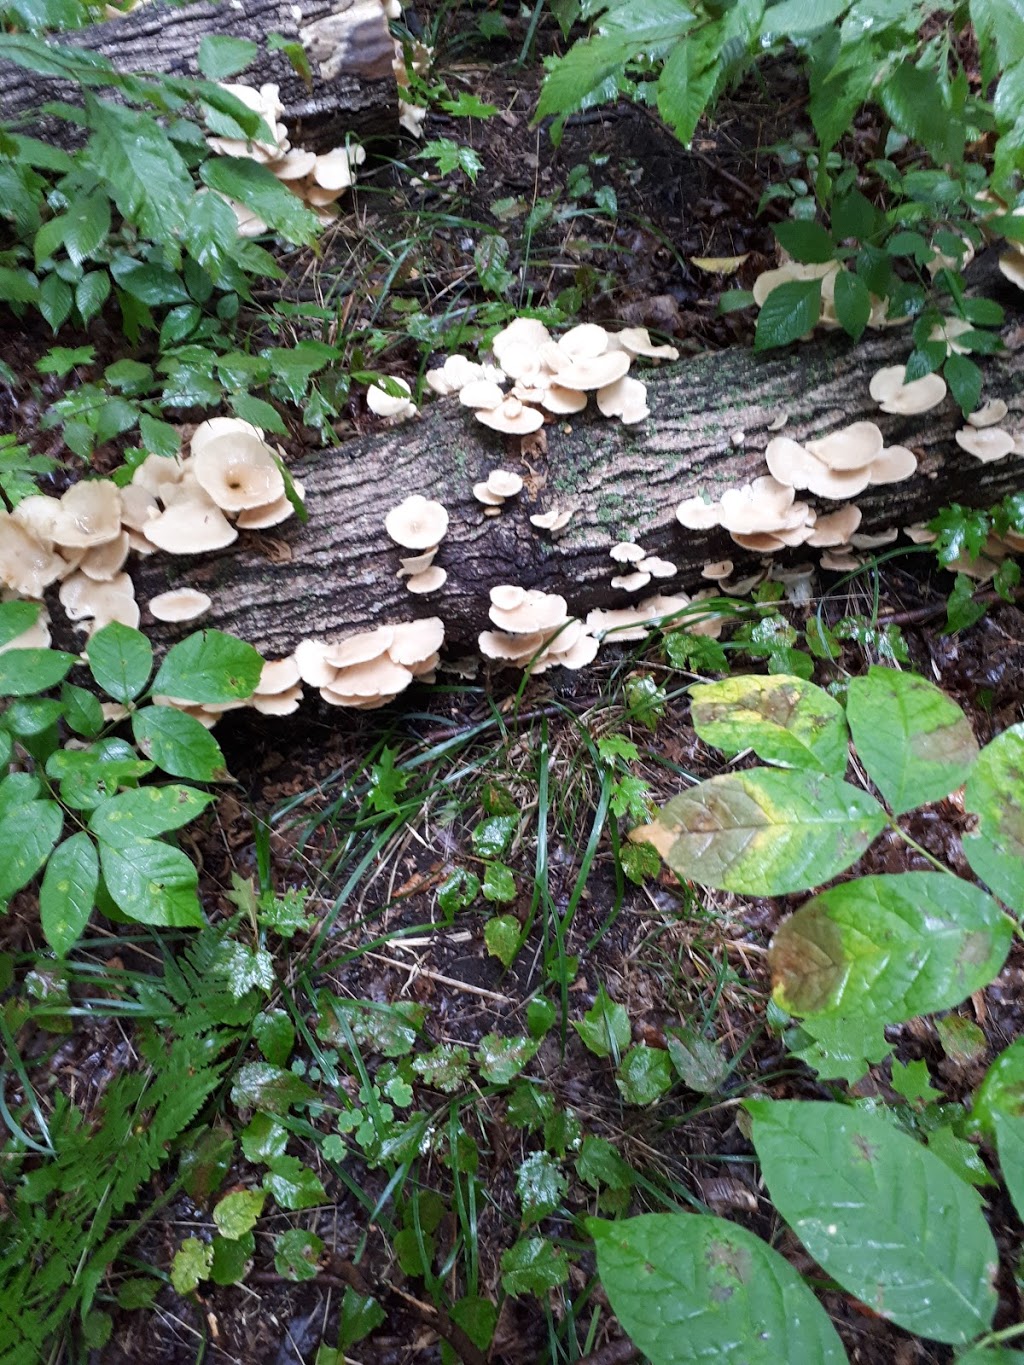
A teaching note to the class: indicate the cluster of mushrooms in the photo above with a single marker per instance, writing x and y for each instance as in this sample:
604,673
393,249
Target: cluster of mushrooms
418,523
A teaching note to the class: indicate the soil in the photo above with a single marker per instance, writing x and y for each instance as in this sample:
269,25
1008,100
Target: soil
664,952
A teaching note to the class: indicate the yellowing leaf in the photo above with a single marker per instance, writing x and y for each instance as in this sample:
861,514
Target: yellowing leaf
719,265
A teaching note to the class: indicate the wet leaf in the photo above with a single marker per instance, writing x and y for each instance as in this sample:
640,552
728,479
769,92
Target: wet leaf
541,1187
533,1266
27,834
192,1262
605,1027
25,671
690,1287
501,937
916,744
599,1164
275,1035
995,794
644,1075
445,1067
889,947
237,1213
259,1085
360,1314
296,1253
231,1258
783,719
838,1047
1002,1090
789,312
68,892
698,1062
205,1160
458,891
499,1059
963,1042
210,666
391,1030
151,882
263,1138
146,813
1010,1146
491,837
179,744
763,832
293,1185
477,1317
875,1209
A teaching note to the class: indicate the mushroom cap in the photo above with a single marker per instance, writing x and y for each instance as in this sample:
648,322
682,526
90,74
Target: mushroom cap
311,659
269,514
836,527
102,562
156,471
84,599
839,563
852,447
211,430
378,677
359,649
721,568
788,271
296,164
90,514
764,504
585,341
511,417
180,604
627,552
333,170
537,611
483,494
237,471
481,393
889,389
503,483
761,542
190,527
581,652
636,341
697,515
507,596
416,641
990,414
278,703
894,464
278,675
987,444
417,523
551,521
658,568
520,331
587,373
413,564
625,398
386,404
1011,264
430,580
27,566
873,540
38,514
138,505
499,644
795,464
631,582
562,401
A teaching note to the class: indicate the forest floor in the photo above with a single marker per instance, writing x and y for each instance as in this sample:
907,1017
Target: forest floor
301,814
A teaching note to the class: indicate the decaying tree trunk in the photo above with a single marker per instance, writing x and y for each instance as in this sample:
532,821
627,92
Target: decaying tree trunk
337,573
346,41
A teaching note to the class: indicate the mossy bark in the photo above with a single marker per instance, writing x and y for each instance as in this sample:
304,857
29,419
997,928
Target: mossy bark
346,41
337,573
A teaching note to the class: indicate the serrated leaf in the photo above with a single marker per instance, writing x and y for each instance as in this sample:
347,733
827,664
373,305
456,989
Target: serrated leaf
153,883
788,313
221,56
293,1185
192,1262
68,892
875,1209
120,660
296,1253
501,938
209,667
231,1258
251,184
889,947
805,241
178,744
916,744
391,1030
687,81
1002,1090
765,833
146,176
691,1288
784,720
541,1187
275,1035
146,813
499,1059
644,1075
852,301
995,796
259,1085
533,1266
237,1213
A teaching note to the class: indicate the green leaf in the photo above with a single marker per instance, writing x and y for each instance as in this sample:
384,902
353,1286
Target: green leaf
499,1059
391,1030
644,1075
784,720
1001,1092
876,1210
231,1258
275,1035
1009,1129
192,1262
297,1253
995,796
82,711
916,744
120,660
889,947
221,56
209,667
68,892
788,313
153,883
293,1185
236,1214
541,1187
178,744
360,1314
491,837
599,1164
965,380
444,1067
765,833
687,81
501,938
25,671
146,813
86,226
260,191
533,1266
147,177
852,303
801,16
27,835
807,242
263,1138
499,884
16,618
698,1061
692,1288
605,1027
259,1085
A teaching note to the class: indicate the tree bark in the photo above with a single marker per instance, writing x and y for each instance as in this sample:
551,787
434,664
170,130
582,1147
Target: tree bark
337,573
347,42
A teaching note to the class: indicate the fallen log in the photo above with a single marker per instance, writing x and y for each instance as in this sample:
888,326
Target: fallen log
337,573
347,44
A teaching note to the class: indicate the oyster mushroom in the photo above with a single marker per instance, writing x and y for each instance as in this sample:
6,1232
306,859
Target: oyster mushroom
889,389
417,523
180,604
